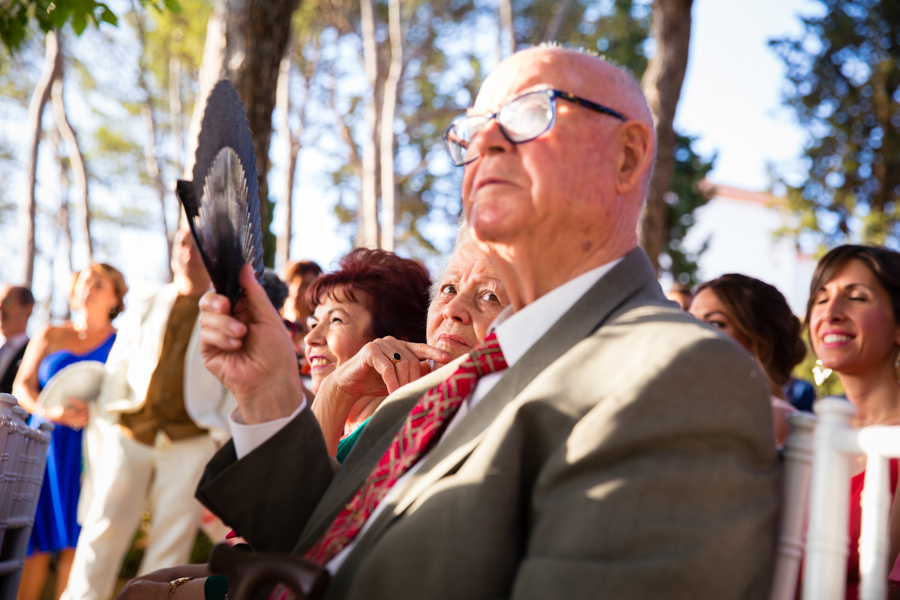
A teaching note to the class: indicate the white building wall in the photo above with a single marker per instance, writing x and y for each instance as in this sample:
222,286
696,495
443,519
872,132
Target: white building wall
740,227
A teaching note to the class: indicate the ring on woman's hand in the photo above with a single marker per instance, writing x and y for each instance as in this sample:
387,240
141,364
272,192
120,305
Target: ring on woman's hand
396,358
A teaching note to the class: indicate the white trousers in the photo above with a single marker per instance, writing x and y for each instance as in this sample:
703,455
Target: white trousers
128,475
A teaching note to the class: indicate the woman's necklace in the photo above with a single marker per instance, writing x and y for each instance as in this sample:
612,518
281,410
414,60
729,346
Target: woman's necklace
82,331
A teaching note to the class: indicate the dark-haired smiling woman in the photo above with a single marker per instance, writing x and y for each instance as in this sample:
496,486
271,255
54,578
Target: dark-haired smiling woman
853,316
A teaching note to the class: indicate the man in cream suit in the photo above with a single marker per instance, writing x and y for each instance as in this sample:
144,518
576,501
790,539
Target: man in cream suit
161,415
625,452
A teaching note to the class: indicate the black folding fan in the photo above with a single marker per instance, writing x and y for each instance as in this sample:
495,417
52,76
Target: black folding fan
225,223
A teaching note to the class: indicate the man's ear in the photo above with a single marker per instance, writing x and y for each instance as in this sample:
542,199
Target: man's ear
636,156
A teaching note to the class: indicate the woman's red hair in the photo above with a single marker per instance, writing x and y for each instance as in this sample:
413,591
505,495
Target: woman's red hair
395,290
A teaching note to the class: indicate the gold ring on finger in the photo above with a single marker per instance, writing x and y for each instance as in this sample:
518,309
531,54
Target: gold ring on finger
396,358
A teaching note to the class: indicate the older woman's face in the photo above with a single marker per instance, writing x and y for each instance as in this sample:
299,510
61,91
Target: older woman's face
851,325
339,328
470,296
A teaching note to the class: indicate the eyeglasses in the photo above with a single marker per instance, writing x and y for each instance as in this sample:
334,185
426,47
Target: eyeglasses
521,120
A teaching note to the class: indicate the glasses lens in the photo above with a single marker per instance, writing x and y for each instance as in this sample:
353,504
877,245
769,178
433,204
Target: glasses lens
526,117
458,136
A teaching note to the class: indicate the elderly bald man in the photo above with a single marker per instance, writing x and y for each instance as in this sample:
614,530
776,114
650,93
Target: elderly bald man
598,444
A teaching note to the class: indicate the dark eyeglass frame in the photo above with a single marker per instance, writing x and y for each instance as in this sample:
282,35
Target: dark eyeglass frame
553,94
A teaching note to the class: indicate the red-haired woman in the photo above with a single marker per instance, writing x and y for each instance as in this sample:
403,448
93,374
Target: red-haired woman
377,301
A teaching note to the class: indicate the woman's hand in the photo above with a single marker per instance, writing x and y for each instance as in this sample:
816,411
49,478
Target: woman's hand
250,352
375,371
383,366
74,413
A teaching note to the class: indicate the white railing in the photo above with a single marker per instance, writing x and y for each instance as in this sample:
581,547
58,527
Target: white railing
817,474
798,461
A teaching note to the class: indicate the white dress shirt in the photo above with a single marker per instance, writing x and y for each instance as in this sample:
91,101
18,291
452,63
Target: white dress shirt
516,332
9,349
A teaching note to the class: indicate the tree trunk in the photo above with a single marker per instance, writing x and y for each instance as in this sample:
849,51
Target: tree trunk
175,109
283,101
507,42
560,9
151,158
391,85
52,65
64,231
74,152
369,203
245,41
671,28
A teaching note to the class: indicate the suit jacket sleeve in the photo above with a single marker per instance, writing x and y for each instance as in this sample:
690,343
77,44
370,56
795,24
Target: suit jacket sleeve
259,496
622,511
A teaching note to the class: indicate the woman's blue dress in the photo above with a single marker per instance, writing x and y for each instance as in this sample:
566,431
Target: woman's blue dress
55,523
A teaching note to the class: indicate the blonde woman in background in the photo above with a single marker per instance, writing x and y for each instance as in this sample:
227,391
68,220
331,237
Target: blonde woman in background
97,298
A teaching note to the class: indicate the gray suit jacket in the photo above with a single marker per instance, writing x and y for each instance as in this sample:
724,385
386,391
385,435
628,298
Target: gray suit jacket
629,454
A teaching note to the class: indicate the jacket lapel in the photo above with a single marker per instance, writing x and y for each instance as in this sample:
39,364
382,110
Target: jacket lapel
367,451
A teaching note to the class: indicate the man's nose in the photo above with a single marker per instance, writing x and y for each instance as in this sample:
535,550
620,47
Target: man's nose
490,140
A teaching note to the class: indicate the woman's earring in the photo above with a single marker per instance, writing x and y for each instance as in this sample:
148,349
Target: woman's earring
820,373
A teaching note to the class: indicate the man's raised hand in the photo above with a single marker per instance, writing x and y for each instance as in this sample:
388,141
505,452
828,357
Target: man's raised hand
250,352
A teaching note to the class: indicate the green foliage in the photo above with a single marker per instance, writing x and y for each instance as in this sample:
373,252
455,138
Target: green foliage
17,15
843,76
179,35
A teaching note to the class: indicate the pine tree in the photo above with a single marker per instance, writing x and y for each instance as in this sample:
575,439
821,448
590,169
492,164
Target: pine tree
843,76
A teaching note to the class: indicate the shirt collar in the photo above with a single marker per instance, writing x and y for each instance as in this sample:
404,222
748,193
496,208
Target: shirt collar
518,331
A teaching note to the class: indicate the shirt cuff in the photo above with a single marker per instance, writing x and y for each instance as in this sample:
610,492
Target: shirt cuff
248,438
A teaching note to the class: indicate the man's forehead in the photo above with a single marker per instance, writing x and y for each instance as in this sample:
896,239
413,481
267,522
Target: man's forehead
535,70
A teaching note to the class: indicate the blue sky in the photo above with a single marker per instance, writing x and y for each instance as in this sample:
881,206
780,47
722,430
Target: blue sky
731,96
